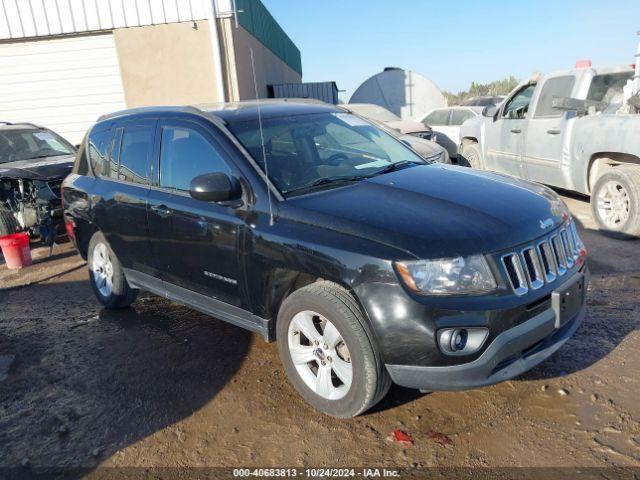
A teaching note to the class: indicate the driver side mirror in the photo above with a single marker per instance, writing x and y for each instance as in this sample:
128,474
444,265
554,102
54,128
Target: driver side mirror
489,111
214,187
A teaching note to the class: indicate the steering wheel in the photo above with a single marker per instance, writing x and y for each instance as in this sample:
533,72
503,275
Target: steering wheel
336,159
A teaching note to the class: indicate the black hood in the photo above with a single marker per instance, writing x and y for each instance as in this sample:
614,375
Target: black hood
436,211
48,168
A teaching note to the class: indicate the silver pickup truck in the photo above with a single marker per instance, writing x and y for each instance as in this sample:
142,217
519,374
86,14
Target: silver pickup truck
574,129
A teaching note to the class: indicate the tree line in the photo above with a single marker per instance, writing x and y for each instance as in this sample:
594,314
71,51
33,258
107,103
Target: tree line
497,87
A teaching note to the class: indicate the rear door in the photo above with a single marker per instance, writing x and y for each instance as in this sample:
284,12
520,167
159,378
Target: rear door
504,137
439,121
122,187
458,117
196,244
546,133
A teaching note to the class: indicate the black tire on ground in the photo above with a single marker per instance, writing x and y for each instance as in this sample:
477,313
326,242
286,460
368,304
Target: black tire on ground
471,156
370,382
121,295
8,223
627,178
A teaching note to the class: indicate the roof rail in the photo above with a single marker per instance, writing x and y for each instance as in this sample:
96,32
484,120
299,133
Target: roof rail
28,124
5,123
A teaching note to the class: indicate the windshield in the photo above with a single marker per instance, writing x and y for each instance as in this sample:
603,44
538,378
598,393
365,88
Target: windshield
309,152
16,145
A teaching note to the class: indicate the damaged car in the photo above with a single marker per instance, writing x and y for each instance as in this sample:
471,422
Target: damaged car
315,228
33,163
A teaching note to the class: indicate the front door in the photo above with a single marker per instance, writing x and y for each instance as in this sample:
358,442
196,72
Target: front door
505,135
546,132
196,244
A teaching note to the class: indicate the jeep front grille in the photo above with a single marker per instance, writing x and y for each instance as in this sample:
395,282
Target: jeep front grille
544,261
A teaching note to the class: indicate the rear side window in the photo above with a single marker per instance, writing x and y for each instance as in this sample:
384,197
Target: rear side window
135,153
458,117
100,143
557,87
606,87
437,117
186,154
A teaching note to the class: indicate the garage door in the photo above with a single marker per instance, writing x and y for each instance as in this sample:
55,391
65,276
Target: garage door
64,84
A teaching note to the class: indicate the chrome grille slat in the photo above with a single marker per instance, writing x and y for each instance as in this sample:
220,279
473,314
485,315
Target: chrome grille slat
544,261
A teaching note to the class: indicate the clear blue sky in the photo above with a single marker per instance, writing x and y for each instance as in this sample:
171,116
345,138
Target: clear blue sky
455,42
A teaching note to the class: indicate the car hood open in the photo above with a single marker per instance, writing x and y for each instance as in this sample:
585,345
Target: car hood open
436,211
38,169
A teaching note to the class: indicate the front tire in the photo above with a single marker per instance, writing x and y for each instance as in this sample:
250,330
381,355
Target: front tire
615,202
471,156
106,275
327,351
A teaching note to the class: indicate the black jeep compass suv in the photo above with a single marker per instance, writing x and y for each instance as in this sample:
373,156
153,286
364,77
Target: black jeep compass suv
315,228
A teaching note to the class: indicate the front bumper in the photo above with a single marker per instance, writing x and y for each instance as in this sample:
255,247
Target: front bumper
510,354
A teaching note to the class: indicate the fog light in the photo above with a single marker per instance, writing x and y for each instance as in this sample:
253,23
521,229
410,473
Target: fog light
462,340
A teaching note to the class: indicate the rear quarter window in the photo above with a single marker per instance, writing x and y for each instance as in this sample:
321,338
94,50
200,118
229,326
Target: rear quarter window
99,146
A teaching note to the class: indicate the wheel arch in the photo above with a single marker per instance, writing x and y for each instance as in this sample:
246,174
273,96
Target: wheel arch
600,162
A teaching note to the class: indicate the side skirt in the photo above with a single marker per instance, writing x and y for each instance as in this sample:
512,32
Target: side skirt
202,303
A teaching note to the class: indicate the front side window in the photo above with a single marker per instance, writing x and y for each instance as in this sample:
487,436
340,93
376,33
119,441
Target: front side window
459,116
518,106
557,87
135,153
437,118
319,150
18,145
185,154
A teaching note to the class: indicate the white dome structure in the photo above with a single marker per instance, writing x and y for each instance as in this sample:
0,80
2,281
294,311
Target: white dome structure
403,92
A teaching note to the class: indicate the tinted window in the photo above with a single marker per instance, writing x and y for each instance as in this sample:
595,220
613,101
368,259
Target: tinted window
100,143
604,88
458,117
135,151
185,154
519,105
437,117
558,87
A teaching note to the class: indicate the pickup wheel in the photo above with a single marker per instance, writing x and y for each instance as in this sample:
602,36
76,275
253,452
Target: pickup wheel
106,275
471,156
327,351
8,223
615,202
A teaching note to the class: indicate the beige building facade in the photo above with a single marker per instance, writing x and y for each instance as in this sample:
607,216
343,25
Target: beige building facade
136,53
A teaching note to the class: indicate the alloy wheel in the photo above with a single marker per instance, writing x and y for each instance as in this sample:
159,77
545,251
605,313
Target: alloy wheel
320,355
102,269
613,205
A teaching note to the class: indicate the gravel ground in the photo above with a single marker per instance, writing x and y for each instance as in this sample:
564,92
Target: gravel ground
162,385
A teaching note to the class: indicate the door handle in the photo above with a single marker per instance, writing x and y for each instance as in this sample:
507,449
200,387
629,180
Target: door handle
162,210
554,131
516,130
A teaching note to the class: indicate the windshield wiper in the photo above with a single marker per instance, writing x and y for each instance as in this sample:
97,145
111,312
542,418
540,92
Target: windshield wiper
394,166
325,181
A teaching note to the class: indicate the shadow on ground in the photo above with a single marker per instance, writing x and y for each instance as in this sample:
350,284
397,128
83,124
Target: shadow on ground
88,382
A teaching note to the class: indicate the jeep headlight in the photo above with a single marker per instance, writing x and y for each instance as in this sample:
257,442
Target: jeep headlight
448,276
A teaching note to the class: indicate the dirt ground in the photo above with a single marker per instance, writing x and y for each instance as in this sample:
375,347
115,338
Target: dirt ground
162,385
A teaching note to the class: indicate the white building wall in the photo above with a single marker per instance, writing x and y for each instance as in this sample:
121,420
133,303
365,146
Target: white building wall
37,18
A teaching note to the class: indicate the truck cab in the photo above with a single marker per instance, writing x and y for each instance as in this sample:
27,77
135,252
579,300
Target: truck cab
529,137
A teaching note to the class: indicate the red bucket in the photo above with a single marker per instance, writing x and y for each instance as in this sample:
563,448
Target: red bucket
16,250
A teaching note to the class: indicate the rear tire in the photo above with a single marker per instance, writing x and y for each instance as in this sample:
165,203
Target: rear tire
106,275
8,223
615,202
342,374
471,156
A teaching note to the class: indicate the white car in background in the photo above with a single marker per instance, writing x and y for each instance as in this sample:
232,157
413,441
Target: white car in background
446,123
